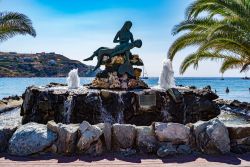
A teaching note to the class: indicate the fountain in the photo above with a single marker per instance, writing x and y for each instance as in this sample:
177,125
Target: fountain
73,79
119,112
118,94
166,80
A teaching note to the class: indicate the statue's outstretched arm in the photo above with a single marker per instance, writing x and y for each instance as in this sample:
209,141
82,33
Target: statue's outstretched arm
116,37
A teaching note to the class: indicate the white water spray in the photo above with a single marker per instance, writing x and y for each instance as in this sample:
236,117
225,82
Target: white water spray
166,79
73,79
68,109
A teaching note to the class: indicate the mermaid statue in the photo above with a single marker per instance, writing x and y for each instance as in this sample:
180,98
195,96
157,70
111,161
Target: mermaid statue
126,42
119,72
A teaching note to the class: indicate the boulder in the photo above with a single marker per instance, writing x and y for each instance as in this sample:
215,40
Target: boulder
212,137
95,149
238,131
5,135
88,135
167,149
172,132
107,132
31,138
184,149
145,139
123,136
67,136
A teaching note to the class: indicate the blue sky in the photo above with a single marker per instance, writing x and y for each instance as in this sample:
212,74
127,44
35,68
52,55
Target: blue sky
76,28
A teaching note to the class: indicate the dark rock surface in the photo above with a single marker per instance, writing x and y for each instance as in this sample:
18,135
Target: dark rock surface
5,135
234,106
60,104
212,137
146,141
123,136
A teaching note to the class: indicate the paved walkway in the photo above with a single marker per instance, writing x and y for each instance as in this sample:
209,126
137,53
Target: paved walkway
110,160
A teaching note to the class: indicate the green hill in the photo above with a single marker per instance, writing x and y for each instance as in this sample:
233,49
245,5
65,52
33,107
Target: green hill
40,65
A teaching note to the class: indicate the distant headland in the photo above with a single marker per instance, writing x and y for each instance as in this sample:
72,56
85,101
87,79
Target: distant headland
43,64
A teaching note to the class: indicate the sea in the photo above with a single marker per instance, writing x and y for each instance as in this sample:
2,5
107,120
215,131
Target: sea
239,89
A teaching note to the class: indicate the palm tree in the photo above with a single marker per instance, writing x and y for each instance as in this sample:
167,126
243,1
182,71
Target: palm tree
12,23
220,29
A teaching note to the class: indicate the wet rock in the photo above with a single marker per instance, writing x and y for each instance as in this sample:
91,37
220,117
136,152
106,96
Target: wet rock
166,150
145,139
238,131
42,104
206,93
67,136
88,135
31,138
123,136
172,132
212,137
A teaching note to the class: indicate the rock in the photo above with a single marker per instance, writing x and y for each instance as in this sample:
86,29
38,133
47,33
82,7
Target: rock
95,149
123,136
67,136
10,103
53,126
184,149
166,150
42,104
172,132
107,132
127,152
88,135
240,148
145,139
238,131
212,137
206,93
31,138
5,135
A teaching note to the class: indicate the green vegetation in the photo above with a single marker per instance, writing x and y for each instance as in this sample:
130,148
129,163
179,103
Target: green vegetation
220,29
39,65
12,23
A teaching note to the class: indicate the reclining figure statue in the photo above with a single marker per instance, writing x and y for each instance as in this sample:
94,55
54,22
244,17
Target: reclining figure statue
123,48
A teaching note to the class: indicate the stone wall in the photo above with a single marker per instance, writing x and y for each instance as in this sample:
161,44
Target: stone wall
42,104
162,139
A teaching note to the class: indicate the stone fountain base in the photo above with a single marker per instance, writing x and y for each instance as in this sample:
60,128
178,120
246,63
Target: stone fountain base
62,128
138,107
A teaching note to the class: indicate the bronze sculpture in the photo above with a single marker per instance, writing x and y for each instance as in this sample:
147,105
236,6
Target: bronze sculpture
118,62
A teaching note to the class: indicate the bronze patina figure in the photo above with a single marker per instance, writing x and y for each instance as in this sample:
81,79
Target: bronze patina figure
119,72
125,38
123,48
124,35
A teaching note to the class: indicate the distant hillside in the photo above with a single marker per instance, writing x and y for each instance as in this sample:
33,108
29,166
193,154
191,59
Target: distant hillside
40,65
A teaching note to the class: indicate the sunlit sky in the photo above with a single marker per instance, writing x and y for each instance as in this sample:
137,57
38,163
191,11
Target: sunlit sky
76,28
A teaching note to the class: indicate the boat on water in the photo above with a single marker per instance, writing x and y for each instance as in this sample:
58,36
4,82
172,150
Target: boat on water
144,73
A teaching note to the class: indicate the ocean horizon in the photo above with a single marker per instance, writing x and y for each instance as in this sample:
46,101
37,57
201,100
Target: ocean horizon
238,88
